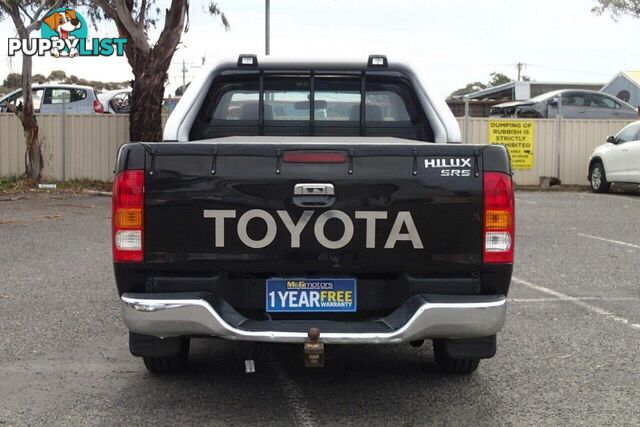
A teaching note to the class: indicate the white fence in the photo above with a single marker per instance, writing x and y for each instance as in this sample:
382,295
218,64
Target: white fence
577,141
91,143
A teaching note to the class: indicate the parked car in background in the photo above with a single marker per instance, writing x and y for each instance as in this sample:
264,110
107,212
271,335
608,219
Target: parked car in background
617,161
168,104
116,101
48,99
576,104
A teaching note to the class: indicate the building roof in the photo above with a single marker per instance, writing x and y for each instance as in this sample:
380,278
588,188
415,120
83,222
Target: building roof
484,93
514,88
632,75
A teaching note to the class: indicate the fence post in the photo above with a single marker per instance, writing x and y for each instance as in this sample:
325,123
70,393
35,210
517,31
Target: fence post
466,119
558,136
63,139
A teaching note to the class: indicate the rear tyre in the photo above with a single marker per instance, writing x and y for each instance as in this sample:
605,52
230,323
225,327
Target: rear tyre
447,364
598,178
169,364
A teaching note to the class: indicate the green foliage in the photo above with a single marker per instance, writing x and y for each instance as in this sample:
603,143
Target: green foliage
13,81
214,10
27,6
498,79
151,14
148,10
98,85
618,8
57,75
38,78
8,183
469,88
181,89
28,11
149,59
19,184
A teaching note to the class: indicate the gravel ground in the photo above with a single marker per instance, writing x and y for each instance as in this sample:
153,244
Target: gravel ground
568,353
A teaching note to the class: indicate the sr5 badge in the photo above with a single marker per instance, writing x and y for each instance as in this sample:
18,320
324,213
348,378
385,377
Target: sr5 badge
449,167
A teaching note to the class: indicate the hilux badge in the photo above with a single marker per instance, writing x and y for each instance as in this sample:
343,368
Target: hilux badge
450,167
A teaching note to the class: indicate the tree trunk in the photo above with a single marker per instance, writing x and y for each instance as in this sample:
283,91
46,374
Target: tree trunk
145,121
16,9
149,66
33,156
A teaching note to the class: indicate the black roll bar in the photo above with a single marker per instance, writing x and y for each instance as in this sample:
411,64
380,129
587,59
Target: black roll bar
312,107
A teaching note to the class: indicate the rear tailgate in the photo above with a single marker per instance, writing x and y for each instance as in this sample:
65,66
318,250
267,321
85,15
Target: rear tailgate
399,207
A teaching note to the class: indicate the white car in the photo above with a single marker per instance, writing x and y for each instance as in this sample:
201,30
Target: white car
617,161
116,101
48,99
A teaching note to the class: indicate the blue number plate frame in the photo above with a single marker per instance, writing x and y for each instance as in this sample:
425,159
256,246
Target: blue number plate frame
303,295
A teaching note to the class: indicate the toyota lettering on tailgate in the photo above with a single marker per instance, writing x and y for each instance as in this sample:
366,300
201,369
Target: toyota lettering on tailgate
403,229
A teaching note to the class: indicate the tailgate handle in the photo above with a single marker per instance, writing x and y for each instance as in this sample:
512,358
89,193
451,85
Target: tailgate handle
313,190
314,195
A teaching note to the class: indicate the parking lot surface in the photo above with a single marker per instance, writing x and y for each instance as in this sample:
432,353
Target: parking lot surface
569,353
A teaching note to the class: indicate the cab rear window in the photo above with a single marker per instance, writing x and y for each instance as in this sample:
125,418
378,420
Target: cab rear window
328,105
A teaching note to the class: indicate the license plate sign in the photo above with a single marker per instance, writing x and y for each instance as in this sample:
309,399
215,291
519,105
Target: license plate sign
311,295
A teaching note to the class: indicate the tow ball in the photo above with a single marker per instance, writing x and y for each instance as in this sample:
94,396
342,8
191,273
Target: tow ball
313,349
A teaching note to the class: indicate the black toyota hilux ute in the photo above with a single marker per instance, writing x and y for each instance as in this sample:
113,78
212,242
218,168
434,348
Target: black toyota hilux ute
316,203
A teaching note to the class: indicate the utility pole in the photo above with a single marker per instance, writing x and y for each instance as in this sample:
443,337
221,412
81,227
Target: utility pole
466,118
520,67
267,27
184,73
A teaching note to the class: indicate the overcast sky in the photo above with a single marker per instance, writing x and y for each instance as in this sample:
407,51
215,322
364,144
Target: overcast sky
459,41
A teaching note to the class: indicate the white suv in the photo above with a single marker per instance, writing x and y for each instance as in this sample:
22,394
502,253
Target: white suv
616,161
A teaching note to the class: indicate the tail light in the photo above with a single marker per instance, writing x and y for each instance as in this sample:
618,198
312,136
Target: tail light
97,106
499,220
128,216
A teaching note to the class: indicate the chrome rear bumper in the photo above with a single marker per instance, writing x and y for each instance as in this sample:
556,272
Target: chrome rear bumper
473,318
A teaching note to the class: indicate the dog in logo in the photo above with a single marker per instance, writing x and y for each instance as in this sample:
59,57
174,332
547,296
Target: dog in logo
63,23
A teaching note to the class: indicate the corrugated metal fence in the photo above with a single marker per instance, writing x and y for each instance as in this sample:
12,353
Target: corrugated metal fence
92,141
90,145
578,139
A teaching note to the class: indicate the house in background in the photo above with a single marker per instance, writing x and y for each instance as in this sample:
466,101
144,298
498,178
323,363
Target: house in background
480,102
626,87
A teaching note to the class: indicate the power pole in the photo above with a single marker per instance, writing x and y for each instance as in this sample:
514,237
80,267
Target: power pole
267,27
520,67
184,73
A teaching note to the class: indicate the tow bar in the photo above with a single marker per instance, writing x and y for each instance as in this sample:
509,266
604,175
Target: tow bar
313,349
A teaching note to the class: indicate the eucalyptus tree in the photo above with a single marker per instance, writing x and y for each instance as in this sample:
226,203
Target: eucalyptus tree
149,60
27,16
618,8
